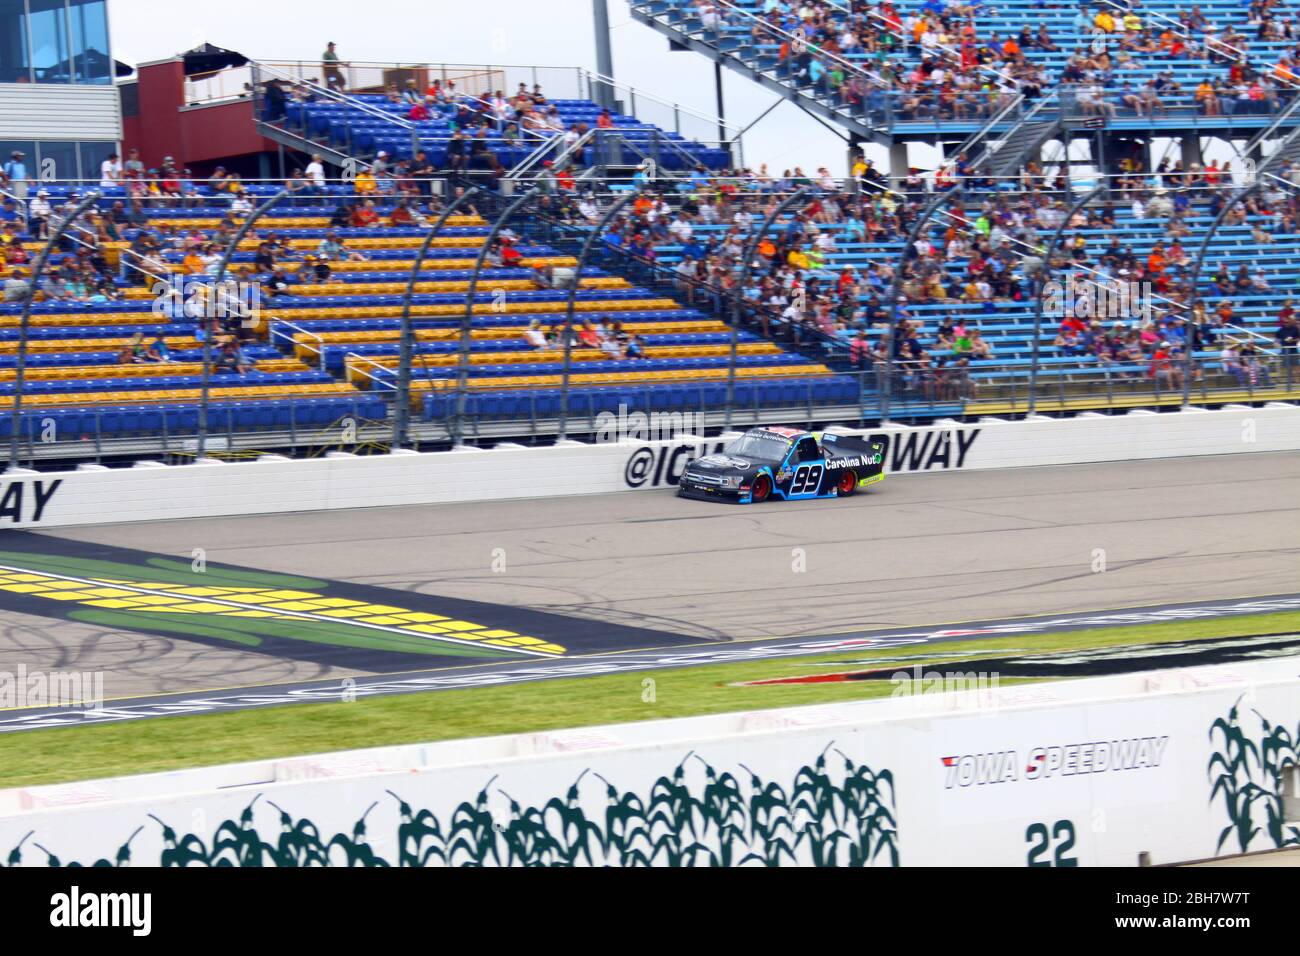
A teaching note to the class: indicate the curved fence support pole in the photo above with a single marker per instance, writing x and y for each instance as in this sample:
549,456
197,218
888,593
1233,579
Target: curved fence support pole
1045,276
467,325
38,269
402,407
597,232
218,278
895,287
746,267
1194,296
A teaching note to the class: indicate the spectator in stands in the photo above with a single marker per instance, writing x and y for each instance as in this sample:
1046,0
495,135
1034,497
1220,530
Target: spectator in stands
110,172
330,64
332,249
457,152
364,215
535,336
39,213
14,174
1230,360
1164,369
365,183
402,214
278,283
1288,333
17,286
158,350
1253,365
315,177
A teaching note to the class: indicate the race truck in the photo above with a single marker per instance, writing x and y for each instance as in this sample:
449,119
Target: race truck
786,463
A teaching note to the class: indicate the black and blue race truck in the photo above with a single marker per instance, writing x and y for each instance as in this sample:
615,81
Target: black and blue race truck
786,463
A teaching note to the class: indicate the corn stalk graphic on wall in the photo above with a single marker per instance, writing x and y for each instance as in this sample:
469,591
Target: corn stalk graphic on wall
834,812
1249,761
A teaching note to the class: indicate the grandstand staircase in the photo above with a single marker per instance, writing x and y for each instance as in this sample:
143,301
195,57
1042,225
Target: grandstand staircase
1006,156
342,157
686,30
1287,127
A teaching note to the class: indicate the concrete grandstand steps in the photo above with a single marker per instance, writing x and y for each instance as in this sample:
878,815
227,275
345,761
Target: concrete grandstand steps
152,370
242,390
535,357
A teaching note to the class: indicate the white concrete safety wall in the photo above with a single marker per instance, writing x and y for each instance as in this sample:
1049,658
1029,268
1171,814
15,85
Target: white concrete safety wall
274,484
1083,773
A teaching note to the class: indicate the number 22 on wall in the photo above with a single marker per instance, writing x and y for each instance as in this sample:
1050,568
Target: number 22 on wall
1040,841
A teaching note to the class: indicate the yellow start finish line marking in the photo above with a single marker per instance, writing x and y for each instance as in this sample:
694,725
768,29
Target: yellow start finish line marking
230,601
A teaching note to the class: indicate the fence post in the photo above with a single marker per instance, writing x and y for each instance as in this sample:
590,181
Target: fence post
217,280
595,235
739,294
1045,275
402,408
1189,335
467,326
24,323
895,287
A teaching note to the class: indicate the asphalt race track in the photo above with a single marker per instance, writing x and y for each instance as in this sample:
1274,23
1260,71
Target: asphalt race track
649,570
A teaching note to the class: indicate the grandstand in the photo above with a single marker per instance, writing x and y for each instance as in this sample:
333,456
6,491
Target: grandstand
905,293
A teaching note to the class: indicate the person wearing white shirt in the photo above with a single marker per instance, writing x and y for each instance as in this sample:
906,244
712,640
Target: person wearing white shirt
501,109
535,336
110,171
316,172
680,229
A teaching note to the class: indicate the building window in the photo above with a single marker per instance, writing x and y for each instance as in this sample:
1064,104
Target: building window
90,58
93,156
129,95
48,20
15,64
58,162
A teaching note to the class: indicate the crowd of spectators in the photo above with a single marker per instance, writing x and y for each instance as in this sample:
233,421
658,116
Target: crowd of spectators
985,251
947,59
475,123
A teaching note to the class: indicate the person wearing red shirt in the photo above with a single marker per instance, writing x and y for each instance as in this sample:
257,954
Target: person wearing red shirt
364,215
1163,369
509,254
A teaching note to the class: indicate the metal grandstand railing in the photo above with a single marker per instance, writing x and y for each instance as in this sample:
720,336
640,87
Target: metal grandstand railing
271,117
1211,43
775,75
481,83
1258,371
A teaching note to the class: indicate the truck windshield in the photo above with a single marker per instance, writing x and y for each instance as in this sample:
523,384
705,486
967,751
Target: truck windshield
759,445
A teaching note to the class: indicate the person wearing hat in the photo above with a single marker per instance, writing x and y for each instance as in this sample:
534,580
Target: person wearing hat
39,212
16,286
1163,368
330,64
15,174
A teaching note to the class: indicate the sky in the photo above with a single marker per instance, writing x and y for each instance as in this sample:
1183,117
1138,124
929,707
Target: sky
552,33
558,34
